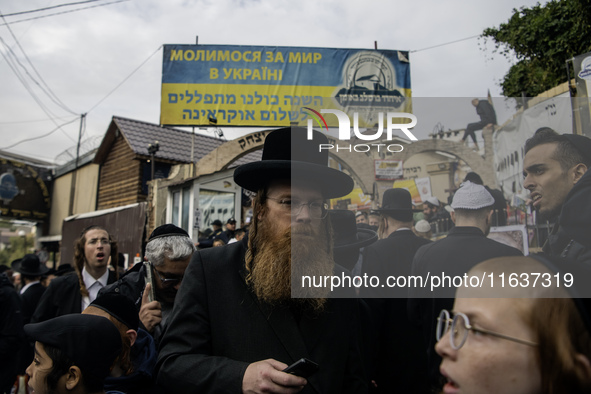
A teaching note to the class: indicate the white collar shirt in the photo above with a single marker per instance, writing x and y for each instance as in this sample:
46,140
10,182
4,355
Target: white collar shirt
27,286
93,286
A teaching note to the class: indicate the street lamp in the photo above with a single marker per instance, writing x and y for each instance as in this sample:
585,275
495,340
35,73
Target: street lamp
152,149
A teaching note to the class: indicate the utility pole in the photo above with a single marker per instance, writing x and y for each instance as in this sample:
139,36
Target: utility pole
74,173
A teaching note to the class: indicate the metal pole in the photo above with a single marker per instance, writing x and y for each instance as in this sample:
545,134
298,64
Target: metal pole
74,173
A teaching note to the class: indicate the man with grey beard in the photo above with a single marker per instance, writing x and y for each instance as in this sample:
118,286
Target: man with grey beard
242,314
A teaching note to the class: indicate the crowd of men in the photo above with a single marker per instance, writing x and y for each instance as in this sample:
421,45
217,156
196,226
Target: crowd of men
232,319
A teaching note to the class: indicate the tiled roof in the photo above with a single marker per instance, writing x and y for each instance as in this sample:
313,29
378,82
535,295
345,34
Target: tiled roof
248,158
174,144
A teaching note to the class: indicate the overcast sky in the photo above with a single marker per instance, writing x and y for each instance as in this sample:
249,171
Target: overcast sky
84,55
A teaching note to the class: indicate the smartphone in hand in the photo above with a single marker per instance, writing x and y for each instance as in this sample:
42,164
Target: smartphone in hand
303,368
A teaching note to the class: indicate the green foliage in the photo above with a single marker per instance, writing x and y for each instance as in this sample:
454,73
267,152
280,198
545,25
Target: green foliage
16,249
542,38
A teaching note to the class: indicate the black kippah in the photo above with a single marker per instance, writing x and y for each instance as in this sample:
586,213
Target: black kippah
167,230
120,307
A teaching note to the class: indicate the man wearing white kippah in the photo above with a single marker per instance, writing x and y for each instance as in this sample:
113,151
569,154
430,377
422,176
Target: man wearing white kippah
465,246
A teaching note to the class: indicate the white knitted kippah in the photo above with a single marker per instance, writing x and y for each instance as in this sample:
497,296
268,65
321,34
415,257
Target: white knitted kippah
433,201
422,226
472,196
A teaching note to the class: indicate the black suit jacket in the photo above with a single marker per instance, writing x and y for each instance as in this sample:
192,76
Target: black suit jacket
218,327
455,255
62,297
30,298
399,361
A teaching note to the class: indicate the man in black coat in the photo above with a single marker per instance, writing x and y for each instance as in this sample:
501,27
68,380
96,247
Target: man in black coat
168,252
238,322
12,336
465,246
553,165
207,242
230,232
73,292
31,271
488,117
399,359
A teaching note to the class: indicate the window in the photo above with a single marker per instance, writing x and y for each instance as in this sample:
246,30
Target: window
215,205
181,207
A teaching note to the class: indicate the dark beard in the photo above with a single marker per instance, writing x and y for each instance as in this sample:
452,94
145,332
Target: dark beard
283,257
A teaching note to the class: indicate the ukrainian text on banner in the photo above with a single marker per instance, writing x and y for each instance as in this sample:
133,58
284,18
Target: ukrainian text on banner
272,86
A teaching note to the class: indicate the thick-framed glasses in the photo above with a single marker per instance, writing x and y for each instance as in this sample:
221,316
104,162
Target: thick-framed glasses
460,326
165,281
317,210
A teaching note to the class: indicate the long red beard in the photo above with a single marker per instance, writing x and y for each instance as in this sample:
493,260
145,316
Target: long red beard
282,258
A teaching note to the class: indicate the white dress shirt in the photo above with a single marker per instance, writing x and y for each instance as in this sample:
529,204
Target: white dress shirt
93,286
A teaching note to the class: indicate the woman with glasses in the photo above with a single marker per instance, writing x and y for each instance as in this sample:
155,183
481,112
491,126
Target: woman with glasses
521,339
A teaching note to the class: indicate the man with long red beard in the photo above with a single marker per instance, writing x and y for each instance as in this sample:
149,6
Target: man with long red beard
242,315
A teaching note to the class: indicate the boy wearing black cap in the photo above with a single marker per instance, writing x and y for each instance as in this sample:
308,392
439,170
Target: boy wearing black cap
73,354
132,371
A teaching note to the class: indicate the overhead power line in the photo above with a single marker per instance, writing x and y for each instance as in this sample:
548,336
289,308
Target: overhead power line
49,8
124,80
41,136
20,77
446,43
47,90
63,12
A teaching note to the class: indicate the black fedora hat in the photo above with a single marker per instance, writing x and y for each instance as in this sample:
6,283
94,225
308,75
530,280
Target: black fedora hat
347,235
397,200
288,154
29,265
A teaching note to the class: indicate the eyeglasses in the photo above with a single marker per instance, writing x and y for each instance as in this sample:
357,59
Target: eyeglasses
460,325
166,282
317,210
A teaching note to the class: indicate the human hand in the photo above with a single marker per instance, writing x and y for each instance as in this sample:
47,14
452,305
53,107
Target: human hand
267,376
150,312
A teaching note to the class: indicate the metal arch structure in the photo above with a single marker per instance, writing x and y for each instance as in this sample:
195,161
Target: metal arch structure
227,153
357,164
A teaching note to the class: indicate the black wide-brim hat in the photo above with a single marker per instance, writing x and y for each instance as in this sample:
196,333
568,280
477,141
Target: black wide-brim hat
29,265
289,155
397,200
347,234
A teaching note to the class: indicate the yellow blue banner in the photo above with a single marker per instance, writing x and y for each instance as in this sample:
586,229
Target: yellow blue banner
272,86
